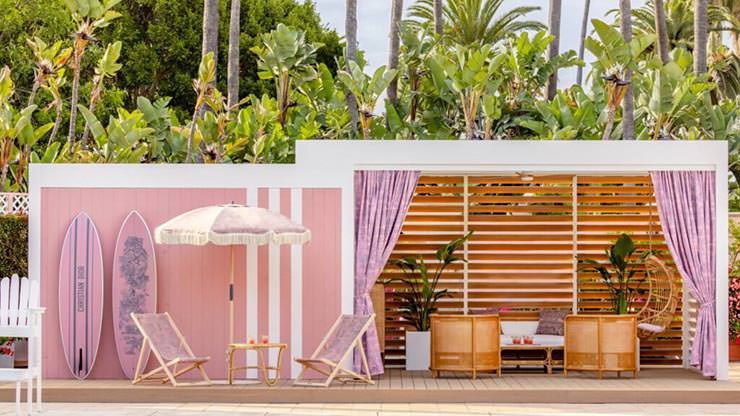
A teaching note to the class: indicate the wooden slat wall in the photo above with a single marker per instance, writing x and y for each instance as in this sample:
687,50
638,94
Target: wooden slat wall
521,252
521,256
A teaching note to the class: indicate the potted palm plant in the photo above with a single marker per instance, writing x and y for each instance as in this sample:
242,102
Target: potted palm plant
419,301
621,274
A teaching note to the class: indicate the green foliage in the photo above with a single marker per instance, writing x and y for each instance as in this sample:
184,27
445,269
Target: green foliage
620,274
13,245
286,58
161,44
17,136
122,141
481,22
366,89
419,301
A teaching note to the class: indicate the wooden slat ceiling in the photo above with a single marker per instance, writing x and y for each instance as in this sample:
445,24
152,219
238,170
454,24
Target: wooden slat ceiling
521,253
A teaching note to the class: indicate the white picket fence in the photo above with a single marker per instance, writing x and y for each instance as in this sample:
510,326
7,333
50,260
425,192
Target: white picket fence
13,203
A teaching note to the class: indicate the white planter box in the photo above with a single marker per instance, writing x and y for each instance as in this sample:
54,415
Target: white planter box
418,350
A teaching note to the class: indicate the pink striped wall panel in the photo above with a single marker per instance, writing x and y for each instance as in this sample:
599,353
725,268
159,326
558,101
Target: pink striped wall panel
193,281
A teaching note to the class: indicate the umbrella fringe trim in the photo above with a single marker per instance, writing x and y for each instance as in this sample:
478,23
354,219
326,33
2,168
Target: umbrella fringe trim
201,239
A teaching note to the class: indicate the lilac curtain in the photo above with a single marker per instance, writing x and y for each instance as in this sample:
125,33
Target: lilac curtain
382,199
686,203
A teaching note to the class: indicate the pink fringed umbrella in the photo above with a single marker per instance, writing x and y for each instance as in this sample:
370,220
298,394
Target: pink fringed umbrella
231,225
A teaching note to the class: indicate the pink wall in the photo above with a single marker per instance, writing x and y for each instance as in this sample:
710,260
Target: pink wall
192,282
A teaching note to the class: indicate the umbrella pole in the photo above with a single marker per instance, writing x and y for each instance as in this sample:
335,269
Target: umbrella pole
231,299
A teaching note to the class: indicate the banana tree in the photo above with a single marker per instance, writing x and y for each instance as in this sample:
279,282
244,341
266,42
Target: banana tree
123,140
570,115
416,46
203,86
527,68
163,143
48,61
321,100
107,67
54,86
366,90
669,103
88,16
287,58
254,135
468,73
621,275
615,58
17,133
419,301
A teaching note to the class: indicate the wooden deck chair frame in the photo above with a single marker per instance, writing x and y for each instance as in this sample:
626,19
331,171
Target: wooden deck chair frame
168,368
336,370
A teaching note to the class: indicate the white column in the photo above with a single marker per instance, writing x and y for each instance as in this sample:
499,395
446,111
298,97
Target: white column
722,252
273,326
574,202
296,285
252,289
466,210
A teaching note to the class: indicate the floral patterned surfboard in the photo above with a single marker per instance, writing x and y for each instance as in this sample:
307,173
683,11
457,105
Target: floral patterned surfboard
134,288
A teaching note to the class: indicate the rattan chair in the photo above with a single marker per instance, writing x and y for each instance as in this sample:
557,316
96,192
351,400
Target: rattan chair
660,306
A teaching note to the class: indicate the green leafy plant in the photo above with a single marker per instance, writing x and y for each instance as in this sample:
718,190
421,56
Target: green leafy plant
366,89
419,301
89,16
122,141
17,134
203,86
469,74
621,275
107,67
286,57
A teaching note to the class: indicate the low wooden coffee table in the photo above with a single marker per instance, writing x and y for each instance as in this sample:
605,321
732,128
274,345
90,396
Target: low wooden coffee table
547,362
263,363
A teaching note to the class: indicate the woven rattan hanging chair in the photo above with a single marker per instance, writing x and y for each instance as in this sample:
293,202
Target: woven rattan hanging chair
660,306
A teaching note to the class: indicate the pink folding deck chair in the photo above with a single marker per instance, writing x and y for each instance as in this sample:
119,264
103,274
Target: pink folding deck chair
333,351
169,346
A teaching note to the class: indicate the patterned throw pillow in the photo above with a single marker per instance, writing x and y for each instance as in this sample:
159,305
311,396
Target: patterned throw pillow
552,322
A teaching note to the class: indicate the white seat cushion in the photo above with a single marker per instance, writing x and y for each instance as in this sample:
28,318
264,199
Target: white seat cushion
548,339
656,329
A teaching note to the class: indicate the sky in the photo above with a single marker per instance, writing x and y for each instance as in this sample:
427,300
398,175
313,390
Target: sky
373,18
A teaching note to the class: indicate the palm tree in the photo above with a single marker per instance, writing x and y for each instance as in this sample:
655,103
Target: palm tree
210,29
350,30
661,29
679,17
628,105
582,47
700,36
439,21
395,41
477,21
554,48
733,6
232,76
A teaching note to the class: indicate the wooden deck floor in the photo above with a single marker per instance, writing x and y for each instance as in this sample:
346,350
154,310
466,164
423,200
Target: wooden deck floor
396,386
